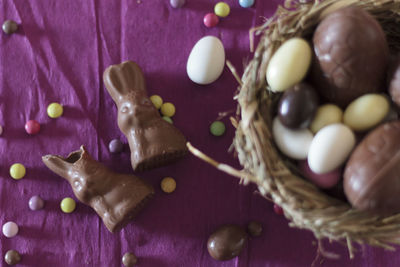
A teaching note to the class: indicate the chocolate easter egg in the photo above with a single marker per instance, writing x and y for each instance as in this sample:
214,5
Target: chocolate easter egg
351,56
226,242
394,80
372,174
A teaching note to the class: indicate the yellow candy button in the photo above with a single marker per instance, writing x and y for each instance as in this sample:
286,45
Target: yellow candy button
54,110
168,109
17,171
168,185
157,101
68,205
222,9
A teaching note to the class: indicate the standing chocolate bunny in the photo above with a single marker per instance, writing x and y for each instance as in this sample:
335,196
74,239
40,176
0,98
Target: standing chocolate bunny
153,141
115,197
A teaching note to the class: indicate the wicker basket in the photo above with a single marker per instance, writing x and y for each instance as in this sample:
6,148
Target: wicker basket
304,205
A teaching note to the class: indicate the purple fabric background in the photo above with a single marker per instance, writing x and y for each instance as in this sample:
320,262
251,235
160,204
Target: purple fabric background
59,54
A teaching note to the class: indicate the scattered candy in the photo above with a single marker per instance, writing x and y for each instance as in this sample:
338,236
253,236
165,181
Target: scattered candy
326,114
157,101
55,110
293,143
222,9
17,171
10,229
168,109
1,130
246,3
278,209
289,65
115,146
129,259
297,106
210,20
254,228
36,203
168,119
10,27
206,60
226,242
177,3
330,148
366,112
12,257
32,127
217,128
168,185
68,205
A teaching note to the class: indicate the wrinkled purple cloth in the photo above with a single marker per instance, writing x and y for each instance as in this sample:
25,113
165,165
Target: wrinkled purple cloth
59,55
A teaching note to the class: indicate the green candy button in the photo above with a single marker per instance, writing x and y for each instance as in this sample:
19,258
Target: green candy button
217,128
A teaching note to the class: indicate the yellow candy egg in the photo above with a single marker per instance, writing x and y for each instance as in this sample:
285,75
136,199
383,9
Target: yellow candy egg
222,9
366,112
157,101
168,109
325,115
289,65
17,171
54,110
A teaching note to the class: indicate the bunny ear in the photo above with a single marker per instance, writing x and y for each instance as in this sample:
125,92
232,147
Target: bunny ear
123,78
57,164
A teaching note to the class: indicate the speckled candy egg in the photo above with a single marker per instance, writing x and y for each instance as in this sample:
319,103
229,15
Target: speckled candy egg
351,56
297,106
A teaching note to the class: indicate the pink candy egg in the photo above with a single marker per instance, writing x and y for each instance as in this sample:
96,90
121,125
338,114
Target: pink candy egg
324,181
210,20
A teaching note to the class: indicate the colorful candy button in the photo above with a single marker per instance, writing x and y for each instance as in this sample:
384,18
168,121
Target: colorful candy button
9,27
217,128
36,203
168,185
115,146
32,127
168,109
129,259
12,257
222,9
157,101
54,110
210,20
278,209
246,3
177,3
1,130
68,205
168,119
10,229
17,171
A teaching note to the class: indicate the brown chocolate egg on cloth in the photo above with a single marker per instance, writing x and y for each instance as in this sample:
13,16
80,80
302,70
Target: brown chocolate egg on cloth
297,106
226,242
372,174
350,56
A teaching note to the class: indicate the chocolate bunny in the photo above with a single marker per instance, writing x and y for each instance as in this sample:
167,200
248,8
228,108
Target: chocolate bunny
115,197
153,141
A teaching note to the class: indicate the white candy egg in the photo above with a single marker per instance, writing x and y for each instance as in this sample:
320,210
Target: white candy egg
330,148
292,143
206,60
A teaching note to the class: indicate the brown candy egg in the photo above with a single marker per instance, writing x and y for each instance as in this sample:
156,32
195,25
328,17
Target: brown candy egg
226,242
351,56
372,174
297,106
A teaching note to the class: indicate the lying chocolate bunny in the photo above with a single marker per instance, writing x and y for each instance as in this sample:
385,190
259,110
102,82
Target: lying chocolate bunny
115,197
152,140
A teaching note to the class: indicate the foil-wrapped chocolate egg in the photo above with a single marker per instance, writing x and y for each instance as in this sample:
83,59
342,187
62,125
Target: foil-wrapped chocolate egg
351,56
372,174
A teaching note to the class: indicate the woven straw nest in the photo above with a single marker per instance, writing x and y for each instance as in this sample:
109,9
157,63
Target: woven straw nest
304,205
